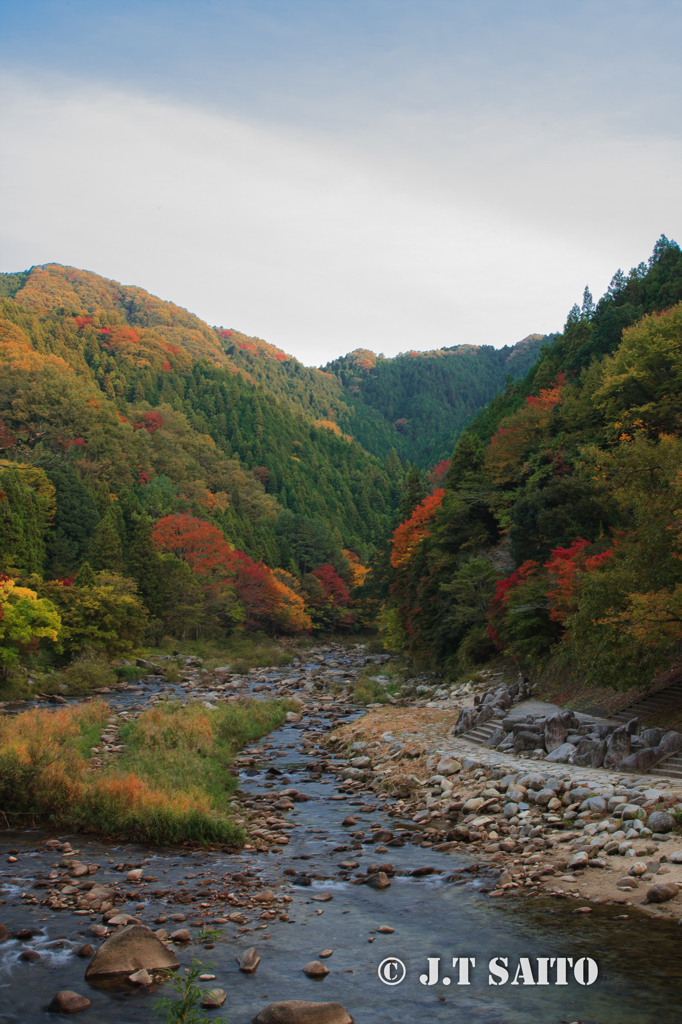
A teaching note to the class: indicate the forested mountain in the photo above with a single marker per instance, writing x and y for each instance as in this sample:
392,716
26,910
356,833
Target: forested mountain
133,448
427,397
556,532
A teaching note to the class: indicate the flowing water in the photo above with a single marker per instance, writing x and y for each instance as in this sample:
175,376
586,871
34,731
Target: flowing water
640,968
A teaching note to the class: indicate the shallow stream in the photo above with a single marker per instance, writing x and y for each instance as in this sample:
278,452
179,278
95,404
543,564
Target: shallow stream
640,968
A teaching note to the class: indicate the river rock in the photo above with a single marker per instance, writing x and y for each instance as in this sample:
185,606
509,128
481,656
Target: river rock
676,857
619,747
140,977
291,716
98,930
30,955
379,880
135,875
579,860
661,821
4,933
543,796
562,754
555,732
86,951
511,809
662,892
248,960
67,1001
316,969
632,811
298,1011
448,766
213,998
181,935
130,949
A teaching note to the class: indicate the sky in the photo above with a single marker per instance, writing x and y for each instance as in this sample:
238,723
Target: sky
340,174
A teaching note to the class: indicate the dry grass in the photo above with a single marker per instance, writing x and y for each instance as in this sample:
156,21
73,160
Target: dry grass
418,729
172,785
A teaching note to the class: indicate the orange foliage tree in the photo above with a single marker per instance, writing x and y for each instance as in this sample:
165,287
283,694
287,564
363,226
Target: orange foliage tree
408,536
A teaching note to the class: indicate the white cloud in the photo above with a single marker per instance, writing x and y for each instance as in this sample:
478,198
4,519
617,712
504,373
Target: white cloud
428,232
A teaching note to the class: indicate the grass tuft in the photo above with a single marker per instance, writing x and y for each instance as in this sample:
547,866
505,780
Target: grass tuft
172,784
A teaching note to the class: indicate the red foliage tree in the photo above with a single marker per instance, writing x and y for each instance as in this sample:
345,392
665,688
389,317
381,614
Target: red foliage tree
333,585
151,422
408,536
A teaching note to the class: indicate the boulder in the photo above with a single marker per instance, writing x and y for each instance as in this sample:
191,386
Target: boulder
213,998
641,760
633,726
448,766
583,752
465,721
652,737
598,753
661,821
662,892
140,978
526,740
555,732
562,754
67,1001
496,738
379,880
671,742
130,949
248,960
485,714
298,1011
619,747
316,969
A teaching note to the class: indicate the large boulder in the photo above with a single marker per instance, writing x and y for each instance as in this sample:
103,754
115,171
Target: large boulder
555,732
298,1011
641,760
652,737
562,755
527,740
485,714
671,742
131,949
465,721
619,747
583,752
598,753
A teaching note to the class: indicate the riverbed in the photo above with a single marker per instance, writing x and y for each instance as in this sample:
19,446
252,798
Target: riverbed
443,914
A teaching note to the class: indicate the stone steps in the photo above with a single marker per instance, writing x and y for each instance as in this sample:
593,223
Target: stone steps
480,733
666,699
671,768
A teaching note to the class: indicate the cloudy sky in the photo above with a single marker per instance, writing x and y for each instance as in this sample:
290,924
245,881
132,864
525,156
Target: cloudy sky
334,174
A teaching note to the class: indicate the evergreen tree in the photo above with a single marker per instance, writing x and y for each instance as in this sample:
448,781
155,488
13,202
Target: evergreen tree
104,550
413,493
144,563
85,576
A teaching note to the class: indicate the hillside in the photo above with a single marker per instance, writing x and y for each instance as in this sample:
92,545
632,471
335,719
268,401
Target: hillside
426,397
555,536
134,451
